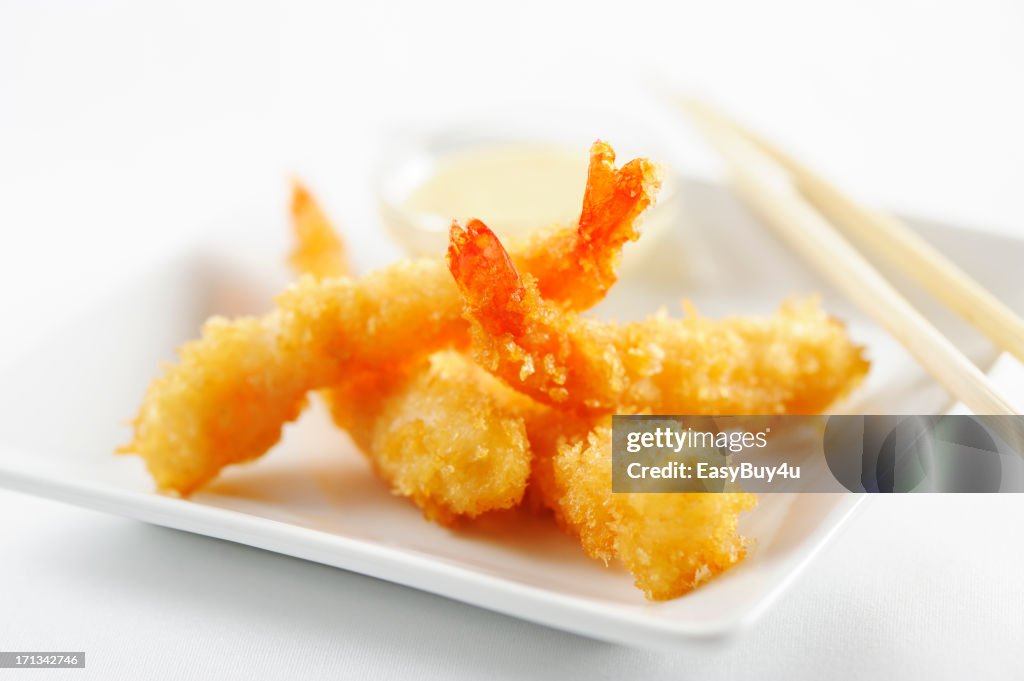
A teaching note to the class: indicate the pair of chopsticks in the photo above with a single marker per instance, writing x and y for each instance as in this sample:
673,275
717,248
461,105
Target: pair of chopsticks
802,207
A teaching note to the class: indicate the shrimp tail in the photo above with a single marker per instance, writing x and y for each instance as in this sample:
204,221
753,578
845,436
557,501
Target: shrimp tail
614,199
580,268
318,249
612,204
488,280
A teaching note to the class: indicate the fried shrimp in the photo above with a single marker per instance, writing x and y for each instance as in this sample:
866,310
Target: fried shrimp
799,360
577,273
233,389
447,434
670,543
444,432
471,387
318,249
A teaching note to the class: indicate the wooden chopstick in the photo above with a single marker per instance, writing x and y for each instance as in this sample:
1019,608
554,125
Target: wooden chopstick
770,190
893,240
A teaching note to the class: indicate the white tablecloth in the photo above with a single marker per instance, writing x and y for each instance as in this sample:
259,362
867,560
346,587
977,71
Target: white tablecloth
128,127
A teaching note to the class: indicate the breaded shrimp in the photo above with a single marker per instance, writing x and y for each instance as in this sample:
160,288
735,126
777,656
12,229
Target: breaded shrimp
577,273
447,434
670,543
444,432
233,389
799,360
318,249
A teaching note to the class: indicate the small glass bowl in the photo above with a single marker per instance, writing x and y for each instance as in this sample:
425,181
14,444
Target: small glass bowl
412,159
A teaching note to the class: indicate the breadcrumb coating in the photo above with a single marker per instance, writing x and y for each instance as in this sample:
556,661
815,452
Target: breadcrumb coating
799,360
443,432
232,390
230,393
446,434
670,543
460,438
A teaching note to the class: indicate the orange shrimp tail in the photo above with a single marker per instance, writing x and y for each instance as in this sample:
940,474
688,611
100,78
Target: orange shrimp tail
580,275
318,248
486,276
614,199
302,200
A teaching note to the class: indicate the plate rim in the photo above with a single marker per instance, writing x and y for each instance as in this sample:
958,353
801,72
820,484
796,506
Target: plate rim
522,601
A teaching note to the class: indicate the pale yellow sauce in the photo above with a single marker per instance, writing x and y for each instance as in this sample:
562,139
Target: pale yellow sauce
511,188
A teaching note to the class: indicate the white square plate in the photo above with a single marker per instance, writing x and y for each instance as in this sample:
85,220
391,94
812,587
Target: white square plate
64,408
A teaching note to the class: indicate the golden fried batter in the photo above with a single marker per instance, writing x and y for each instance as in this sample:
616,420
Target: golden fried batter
443,432
233,389
671,543
799,360
448,435
459,438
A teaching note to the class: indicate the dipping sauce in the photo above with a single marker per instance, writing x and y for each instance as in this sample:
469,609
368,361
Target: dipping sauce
511,187
514,186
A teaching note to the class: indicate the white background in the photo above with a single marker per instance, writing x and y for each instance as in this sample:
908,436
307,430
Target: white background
128,127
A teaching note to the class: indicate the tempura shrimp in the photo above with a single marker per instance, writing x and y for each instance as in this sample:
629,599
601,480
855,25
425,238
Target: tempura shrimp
233,389
447,434
670,543
443,432
799,360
